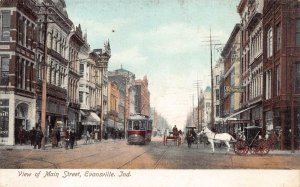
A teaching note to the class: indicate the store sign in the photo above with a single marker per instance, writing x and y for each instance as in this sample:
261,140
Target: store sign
234,89
4,117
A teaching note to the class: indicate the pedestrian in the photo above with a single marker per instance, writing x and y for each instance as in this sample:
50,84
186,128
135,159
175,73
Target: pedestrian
32,134
38,138
87,137
120,134
72,138
21,135
54,138
190,137
57,134
67,138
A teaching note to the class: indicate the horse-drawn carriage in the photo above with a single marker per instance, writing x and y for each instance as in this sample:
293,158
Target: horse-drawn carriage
251,140
176,137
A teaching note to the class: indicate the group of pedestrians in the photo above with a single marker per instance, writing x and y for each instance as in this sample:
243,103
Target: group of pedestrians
36,136
68,136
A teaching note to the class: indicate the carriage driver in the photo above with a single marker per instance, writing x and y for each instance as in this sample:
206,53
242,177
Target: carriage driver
175,131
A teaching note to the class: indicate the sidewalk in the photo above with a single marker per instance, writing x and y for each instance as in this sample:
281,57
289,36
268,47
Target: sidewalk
48,146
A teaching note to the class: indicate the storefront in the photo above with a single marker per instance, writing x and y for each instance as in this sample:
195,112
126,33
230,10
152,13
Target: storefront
90,121
15,112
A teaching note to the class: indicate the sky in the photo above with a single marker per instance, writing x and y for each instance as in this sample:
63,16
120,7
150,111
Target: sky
165,40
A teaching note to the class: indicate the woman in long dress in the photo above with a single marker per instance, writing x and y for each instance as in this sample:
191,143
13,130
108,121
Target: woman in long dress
54,138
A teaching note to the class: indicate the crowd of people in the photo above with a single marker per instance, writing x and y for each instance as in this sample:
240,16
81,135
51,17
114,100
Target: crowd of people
114,134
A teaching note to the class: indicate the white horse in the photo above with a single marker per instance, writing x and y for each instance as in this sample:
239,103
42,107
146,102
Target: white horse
214,137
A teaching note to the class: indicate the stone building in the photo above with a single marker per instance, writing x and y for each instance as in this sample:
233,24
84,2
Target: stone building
57,73
251,60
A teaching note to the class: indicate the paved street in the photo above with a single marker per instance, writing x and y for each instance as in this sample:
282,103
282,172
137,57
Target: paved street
119,155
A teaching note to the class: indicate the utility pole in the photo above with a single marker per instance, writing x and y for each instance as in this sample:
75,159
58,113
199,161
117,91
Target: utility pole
44,81
125,104
211,44
193,111
199,124
212,82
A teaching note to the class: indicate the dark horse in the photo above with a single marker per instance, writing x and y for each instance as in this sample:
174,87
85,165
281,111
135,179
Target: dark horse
191,137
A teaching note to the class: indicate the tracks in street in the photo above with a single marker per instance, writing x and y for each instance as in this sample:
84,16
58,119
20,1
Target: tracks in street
139,156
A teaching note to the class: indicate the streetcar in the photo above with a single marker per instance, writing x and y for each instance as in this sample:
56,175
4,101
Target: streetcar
139,129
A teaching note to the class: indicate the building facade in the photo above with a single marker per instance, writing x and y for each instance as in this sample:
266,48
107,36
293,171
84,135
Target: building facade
281,65
27,31
218,71
142,97
231,77
17,69
125,82
252,60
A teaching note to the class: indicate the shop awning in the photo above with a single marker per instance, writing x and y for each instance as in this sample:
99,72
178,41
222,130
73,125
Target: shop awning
92,119
231,117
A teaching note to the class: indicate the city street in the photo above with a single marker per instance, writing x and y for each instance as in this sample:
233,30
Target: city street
117,154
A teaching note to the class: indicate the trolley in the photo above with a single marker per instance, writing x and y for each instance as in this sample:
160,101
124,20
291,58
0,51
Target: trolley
139,129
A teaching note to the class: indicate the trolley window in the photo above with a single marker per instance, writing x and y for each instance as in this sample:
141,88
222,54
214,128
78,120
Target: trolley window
136,125
150,125
129,125
143,125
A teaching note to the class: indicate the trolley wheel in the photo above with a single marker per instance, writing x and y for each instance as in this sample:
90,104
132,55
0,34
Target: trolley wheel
241,148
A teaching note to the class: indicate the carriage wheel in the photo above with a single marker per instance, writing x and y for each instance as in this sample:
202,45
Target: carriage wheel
241,148
265,147
262,147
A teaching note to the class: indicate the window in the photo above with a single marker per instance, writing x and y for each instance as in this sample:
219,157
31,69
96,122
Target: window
298,33
4,70
217,110
217,94
5,25
278,37
297,86
217,80
81,70
31,78
20,31
232,103
80,97
268,84
232,78
270,43
277,81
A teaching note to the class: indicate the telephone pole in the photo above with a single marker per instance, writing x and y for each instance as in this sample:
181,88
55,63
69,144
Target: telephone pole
199,124
212,82
211,44
45,13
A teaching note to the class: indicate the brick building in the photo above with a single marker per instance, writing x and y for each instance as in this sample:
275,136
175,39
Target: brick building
17,68
281,70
